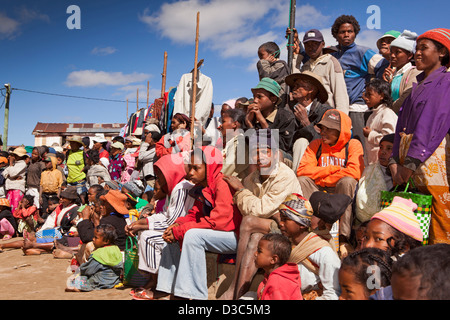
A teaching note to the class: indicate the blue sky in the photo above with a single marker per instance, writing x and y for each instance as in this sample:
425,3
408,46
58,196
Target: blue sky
121,45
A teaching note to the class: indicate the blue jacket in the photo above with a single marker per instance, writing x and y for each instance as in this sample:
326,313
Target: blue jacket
359,65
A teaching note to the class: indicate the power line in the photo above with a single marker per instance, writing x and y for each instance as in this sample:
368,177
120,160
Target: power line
71,96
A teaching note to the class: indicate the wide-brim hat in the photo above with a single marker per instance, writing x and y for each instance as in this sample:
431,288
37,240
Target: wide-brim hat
329,207
69,193
117,200
5,202
75,139
316,80
20,151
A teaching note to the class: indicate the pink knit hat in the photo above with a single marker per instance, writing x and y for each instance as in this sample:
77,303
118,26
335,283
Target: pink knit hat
400,215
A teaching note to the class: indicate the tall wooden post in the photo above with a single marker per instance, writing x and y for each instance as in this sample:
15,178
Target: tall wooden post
6,121
194,82
291,34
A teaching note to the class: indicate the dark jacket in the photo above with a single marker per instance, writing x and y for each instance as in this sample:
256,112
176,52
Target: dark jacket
86,229
315,115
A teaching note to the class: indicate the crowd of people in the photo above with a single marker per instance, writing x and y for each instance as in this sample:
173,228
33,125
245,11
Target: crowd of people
286,182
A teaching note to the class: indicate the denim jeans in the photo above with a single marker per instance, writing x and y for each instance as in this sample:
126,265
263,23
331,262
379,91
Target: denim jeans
183,273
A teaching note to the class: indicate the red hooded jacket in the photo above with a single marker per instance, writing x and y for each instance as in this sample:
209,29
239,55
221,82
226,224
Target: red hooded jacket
224,216
281,284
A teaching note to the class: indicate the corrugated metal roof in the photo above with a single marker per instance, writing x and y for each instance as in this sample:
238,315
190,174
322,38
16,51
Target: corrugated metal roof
70,128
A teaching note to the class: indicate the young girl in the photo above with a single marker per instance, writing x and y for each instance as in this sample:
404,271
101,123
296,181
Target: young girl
172,186
211,225
363,272
383,119
27,214
103,269
394,229
281,279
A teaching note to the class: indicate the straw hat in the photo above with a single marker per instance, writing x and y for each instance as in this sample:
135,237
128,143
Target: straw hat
20,151
117,200
75,139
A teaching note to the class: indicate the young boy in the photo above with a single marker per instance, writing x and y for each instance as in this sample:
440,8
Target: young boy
264,114
272,67
333,163
281,279
103,269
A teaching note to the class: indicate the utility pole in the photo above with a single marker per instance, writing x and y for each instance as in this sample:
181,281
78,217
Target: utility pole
5,125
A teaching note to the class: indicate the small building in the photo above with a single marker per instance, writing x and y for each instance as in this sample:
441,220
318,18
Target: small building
49,134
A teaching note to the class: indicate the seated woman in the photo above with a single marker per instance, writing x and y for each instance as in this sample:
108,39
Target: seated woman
27,215
211,225
97,171
172,186
56,225
178,140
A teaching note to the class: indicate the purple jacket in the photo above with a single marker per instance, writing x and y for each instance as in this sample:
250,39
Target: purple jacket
426,114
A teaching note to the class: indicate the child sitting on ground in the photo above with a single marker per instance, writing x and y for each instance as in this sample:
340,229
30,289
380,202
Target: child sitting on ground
103,269
27,215
281,279
364,272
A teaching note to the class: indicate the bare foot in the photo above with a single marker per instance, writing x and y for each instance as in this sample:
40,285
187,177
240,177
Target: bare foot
61,254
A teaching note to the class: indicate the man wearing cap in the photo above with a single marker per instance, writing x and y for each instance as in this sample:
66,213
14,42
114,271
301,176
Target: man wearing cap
264,114
333,163
383,44
327,67
310,96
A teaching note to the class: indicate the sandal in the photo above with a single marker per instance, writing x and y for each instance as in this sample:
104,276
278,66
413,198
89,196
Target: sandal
143,295
136,290
6,237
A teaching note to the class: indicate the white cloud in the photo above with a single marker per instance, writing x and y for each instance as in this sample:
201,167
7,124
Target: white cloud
93,78
11,27
233,28
99,51
8,26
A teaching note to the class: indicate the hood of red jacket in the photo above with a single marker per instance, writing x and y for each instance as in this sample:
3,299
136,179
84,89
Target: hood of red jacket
173,168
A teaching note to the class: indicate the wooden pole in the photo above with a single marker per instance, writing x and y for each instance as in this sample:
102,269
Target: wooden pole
194,82
291,34
127,111
164,76
137,99
6,121
148,88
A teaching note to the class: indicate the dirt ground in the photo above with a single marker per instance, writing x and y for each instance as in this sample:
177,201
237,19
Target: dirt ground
43,277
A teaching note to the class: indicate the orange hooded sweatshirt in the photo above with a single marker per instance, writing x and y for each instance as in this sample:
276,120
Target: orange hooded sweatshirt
331,166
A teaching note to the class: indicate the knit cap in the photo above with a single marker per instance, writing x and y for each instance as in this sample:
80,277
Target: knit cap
440,35
400,215
406,41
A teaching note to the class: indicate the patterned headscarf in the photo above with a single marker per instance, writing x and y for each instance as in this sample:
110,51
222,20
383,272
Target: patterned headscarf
298,209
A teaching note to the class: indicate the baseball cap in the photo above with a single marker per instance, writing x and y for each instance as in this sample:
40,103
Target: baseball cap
331,119
313,35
